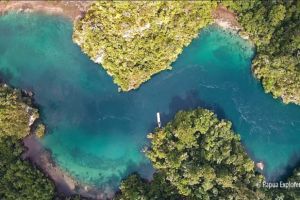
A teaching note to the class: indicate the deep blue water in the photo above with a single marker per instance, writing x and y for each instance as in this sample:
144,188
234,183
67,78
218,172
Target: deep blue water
97,133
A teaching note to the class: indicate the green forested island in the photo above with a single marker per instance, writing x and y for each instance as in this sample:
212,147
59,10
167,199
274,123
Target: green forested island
198,156
202,157
134,40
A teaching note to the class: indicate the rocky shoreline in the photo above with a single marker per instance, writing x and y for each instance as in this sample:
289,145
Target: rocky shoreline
65,184
228,20
41,158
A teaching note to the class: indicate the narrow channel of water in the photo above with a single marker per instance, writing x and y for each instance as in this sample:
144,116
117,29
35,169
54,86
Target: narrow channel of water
97,133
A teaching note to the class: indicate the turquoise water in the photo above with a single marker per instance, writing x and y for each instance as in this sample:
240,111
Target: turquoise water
97,133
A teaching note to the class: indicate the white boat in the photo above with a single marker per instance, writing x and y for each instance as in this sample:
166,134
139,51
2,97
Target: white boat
158,120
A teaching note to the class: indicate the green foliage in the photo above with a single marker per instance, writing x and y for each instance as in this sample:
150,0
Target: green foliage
18,179
15,113
138,189
203,158
274,27
134,40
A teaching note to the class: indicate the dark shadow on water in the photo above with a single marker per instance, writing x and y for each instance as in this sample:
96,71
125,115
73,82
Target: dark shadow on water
5,76
2,80
191,100
284,172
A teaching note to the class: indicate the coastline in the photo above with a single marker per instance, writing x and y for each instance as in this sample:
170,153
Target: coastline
65,184
228,20
40,157
72,10
43,159
35,152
